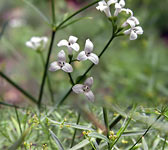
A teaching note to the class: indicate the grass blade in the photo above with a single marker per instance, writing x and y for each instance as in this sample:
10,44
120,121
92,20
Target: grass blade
80,145
57,141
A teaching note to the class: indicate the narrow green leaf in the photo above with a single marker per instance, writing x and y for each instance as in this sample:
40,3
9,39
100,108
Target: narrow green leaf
144,144
72,125
99,136
38,11
19,141
80,145
57,141
134,133
16,125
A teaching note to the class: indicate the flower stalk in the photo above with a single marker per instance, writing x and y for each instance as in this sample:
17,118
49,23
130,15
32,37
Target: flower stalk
48,80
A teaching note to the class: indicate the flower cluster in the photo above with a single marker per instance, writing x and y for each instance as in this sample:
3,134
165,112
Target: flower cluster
131,22
86,54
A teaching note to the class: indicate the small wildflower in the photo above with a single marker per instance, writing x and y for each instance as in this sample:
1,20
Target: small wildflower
103,6
84,132
87,53
61,126
132,21
68,125
71,44
124,141
85,88
61,63
118,7
37,43
134,32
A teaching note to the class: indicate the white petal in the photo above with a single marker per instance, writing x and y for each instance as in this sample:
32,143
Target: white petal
78,88
61,56
122,3
72,39
111,2
117,6
94,58
107,12
139,30
82,56
67,68
133,35
54,66
101,8
88,46
127,31
29,44
135,20
35,39
131,23
89,82
75,46
90,96
62,43
128,11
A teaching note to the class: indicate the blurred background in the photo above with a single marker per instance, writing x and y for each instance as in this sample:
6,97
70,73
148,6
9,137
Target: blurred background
130,71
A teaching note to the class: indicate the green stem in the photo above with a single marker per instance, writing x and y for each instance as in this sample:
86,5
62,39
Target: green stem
71,79
164,144
46,69
121,132
10,105
53,11
18,87
77,122
105,116
145,132
48,79
17,116
77,12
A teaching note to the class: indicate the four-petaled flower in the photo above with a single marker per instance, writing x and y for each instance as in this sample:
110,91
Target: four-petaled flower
37,43
85,88
134,31
118,7
71,44
61,63
103,6
87,53
132,21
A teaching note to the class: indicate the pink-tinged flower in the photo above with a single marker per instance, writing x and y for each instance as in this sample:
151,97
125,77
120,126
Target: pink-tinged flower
134,32
61,63
85,89
71,44
104,6
87,53
132,21
118,7
37,43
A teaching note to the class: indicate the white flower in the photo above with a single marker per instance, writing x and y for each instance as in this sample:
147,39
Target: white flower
87,53
128,11
61,63
85,88
71,44
103,6
37,43
118,7
132,21
134,31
